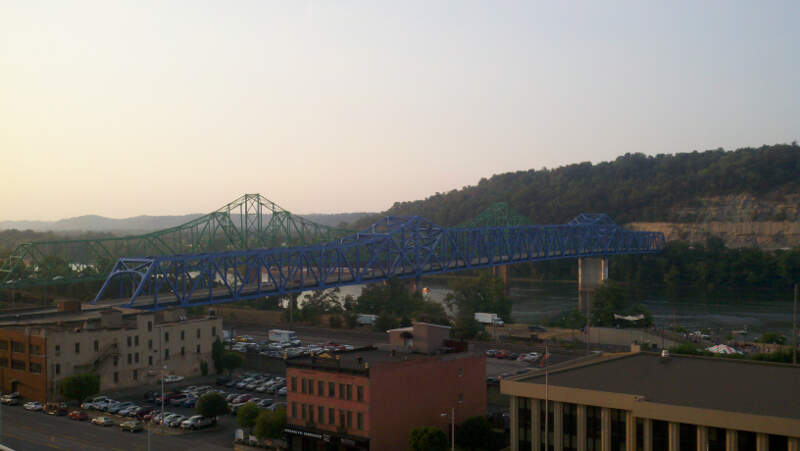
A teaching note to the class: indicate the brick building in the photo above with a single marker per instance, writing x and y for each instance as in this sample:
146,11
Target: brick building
372,399
124,347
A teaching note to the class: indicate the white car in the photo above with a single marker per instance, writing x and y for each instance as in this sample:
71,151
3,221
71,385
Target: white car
175,421
282,391
171,378
88,405
33,406
197,422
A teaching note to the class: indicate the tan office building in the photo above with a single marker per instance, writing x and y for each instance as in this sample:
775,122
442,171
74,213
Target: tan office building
641,401
125,347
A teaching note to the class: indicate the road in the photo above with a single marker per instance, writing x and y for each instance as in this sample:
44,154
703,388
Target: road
34,431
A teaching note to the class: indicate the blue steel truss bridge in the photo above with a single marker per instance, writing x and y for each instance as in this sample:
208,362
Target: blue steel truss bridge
394,247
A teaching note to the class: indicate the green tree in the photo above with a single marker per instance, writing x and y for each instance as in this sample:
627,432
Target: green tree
204,368
270,424
211,405
231,360
427,438
246,415
386,321
772,338
432,312
466,326
217,351
486,293
474,434
79,386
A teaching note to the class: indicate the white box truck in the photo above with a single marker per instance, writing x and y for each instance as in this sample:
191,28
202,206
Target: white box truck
489,318
366,320
282,336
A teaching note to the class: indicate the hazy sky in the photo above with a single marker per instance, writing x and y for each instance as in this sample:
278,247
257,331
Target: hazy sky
126,108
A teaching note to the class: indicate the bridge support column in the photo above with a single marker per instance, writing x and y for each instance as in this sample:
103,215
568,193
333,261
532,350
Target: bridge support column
591,274
415,285
502,272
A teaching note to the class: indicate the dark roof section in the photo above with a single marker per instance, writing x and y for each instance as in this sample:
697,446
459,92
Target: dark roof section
349,361
702,382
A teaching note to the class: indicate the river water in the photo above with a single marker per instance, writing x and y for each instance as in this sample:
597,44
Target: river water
719,312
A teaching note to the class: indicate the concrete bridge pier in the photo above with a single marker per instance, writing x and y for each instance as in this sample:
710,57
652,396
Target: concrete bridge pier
415,285
592,272
502,272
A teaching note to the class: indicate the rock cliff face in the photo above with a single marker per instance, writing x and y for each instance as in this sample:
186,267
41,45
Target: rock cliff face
772,222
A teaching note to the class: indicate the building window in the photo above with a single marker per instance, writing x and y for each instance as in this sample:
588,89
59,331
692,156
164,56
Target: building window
130,340
130,358
77,348
321,414
331,416
349,392
311,386
116,361
349,419
360,421
303,416
149,326
331,389
182,335
524,423
310,413
778,442
96,346
166,354
136,340
460,372
360,393
294,410
135,374
136,357
3,362
166,337
35,349
18,346
320,388
198,349
570,427
58,349
116,377
183,351
149,360
460,398
3,345
18,365
58,368
618,429
198,332
149,344
294,384
593,427
341,391
213,331
341,418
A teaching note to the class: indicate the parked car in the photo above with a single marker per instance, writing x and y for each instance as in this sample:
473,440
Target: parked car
103,421
198,422
116,408
242,398
55,408
264,403
282,391
10,399
78,415
126,411
132,426
150,396
231,397
170,379
190,402
150,415
174,421
222,380
276,406
32,406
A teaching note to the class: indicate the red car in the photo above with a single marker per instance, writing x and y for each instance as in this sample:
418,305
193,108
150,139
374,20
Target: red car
79,415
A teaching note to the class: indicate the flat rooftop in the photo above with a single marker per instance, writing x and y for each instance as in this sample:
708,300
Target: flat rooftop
744,386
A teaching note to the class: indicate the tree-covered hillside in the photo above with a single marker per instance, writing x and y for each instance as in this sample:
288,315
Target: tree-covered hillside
634,187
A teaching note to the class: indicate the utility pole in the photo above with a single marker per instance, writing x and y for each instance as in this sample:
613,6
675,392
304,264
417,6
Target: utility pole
794,328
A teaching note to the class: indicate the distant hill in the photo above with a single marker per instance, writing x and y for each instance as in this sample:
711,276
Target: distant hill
144,224
748,187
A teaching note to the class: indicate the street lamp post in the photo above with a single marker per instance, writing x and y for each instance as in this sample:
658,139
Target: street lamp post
452,427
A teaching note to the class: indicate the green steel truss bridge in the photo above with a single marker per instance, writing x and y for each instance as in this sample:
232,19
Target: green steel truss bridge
249,222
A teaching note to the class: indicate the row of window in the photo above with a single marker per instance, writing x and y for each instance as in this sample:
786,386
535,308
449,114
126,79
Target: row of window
20,365
345,390
19,347
307,412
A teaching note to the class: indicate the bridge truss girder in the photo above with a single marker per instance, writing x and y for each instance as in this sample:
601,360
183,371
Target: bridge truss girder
392,248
